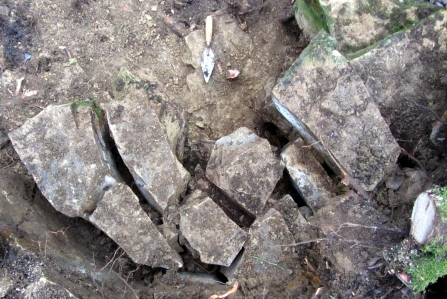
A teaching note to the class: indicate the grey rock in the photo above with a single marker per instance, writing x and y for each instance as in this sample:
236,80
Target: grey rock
4,10
403,74
144,148
297,224
308,176
121,217
6,282
265,260
59,147
243,166
44,289
324,98
3,140
357,24
211,233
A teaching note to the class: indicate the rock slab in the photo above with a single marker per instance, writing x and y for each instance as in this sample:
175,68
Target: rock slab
308,176
244,167
121,217
323,96
144,148
60,149
211,233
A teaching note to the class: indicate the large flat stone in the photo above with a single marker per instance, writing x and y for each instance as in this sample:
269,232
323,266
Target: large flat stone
308,176
357,24
244,167
60,149
144,148
211,233
121,217
324,98
404,75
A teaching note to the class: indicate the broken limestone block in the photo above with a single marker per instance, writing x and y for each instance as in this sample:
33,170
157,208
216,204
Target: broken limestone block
357,24
308,176
296,222
60,149
323,97
121,217
265,262
244,167
144,148
404,75
43,289
211,233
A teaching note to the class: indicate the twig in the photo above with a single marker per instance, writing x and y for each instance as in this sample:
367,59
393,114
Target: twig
270,263
328,239
317,293
231,291
428,109
310,145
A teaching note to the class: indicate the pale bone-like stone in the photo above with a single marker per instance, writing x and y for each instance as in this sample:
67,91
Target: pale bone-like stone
121,217
144,148
211,233
323,97
243,166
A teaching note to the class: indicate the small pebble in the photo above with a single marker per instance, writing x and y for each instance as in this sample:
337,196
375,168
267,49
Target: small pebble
229,64
289,271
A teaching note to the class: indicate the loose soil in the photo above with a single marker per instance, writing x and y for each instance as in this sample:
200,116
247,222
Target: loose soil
73,50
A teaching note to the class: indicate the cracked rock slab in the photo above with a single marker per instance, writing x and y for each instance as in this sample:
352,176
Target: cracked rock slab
244,167
121,217
308,176
265,260
60,150
211,233
144,148
323,97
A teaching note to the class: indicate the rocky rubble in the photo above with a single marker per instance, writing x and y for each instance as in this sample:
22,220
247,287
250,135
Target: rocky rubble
243,166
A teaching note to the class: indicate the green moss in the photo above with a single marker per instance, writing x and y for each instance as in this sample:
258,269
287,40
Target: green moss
430,262
88,103
426,269
313,12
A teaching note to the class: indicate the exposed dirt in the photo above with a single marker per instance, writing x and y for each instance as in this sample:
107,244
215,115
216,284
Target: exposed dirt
74,50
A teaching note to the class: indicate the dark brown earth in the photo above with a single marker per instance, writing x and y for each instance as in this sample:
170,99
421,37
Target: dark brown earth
146,36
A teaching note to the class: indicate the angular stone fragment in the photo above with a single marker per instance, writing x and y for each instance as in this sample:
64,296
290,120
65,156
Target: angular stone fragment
60,149
404,75
297,224
357,24
324,98
144,148
43,289
121,217
244,167
308,176
211,233
265,260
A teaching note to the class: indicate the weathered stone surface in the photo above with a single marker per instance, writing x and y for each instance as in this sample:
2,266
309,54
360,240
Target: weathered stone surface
44,289
60,149
121,217
145,150
243,166
297,224
308,176
357,24
6,282
264,258
211,233
407,71
323,97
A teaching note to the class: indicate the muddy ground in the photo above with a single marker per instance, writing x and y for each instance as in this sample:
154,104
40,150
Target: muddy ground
73,50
